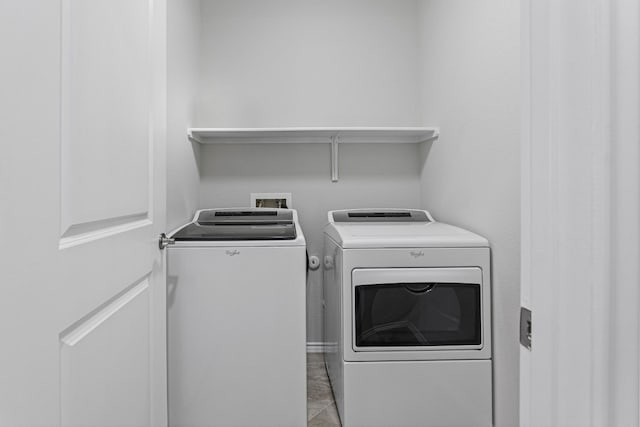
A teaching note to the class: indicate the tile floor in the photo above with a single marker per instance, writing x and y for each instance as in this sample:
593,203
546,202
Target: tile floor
321,408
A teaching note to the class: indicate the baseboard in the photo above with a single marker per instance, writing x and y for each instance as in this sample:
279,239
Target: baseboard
317,347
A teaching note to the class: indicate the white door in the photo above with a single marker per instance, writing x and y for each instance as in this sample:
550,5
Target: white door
82,181
581,212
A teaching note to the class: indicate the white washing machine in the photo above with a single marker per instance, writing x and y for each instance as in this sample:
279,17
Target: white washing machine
407,320
236,320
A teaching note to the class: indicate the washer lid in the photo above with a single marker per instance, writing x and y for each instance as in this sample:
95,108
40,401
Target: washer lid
239,224
232,232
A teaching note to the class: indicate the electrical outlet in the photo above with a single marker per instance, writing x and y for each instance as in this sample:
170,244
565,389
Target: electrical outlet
271,200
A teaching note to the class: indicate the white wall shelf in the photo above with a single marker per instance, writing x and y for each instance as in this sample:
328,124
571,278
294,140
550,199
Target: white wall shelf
313,135
329,135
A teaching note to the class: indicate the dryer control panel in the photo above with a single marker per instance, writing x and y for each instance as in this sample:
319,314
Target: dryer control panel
380,215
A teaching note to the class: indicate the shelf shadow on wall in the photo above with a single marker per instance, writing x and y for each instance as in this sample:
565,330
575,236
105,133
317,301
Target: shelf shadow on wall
424,149
306,161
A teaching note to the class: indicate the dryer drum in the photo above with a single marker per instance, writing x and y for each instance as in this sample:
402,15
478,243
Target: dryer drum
420,289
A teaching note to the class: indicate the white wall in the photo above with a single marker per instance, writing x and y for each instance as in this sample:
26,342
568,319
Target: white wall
300,63
183,58
322,63
470,176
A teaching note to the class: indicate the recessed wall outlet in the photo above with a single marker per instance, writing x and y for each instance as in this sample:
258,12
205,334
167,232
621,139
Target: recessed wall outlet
271,200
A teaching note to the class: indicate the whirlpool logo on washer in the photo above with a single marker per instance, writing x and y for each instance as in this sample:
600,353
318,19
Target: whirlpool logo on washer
233,252
416,254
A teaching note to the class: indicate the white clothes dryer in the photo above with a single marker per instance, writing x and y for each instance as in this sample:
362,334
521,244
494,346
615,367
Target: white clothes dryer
407,320
237,320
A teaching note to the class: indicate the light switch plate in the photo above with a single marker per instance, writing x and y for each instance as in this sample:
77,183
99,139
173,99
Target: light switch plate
271,200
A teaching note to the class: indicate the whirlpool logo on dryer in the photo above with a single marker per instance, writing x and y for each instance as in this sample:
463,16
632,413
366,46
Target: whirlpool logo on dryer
233,252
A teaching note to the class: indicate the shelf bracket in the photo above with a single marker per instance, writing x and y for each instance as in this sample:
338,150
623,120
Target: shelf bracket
192,138
436,135
334,158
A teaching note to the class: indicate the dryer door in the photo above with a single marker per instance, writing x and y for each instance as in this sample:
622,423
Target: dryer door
417,309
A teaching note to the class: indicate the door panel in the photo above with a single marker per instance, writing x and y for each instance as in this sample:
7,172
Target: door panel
108,350
361,268
82,165
105,116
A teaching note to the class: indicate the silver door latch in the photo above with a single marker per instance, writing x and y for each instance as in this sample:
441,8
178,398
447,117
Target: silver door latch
525,327
165,241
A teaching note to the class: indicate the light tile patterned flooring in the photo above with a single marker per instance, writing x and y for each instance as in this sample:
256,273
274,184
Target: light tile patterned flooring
321,407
